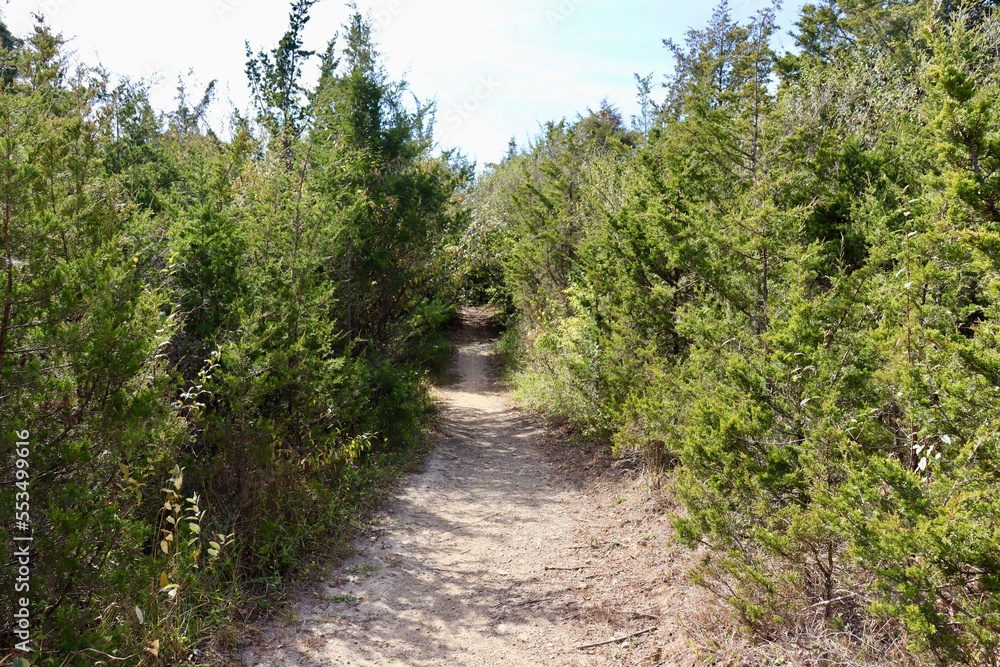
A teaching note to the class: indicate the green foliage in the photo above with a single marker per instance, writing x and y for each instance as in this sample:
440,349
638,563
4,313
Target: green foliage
219,346
79,369
788,291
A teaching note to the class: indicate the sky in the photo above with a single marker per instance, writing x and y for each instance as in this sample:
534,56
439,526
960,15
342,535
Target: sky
497,69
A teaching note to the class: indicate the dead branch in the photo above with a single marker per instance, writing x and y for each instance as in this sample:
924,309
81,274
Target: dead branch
528,603
616,639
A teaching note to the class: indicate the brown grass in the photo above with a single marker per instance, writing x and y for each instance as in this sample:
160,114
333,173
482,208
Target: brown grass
642,575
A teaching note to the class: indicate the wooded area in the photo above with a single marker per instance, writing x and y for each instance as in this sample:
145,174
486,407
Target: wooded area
218,346
780,283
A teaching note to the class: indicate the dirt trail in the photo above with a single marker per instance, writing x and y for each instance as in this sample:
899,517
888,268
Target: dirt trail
495,554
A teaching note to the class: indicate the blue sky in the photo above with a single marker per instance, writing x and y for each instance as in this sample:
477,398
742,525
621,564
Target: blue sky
496,68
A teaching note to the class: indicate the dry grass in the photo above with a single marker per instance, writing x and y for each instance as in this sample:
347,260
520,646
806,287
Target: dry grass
641,575
721,640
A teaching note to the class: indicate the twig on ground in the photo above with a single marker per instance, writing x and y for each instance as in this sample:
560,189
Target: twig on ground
528,603
616,639
565,569
441,569
639,614
828,602
101,653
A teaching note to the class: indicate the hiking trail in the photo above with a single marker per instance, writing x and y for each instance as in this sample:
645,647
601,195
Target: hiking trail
507,548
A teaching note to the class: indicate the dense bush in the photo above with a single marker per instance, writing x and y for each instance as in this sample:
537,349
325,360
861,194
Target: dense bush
219,346
786,285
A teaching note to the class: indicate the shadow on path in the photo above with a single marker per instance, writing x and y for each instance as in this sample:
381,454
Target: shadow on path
458,568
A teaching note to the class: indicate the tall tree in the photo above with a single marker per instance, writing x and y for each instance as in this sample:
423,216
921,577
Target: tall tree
275,81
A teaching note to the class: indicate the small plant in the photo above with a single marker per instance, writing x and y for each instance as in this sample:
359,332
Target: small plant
181,543
362,571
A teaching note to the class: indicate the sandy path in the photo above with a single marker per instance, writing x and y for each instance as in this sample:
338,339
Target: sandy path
487,557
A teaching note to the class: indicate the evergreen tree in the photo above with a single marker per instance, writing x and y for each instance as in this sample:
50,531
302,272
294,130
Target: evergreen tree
79,335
